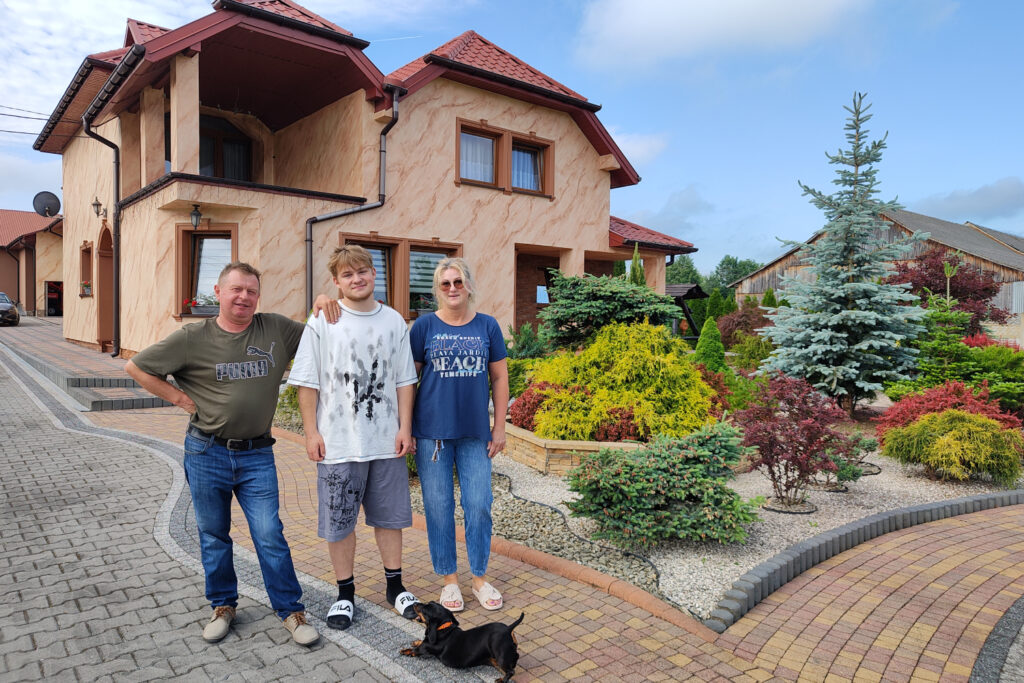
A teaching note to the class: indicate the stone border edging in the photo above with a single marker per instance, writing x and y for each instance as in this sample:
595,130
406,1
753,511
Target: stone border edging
772,574
573,571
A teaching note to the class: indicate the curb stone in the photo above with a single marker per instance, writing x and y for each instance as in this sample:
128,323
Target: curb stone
775,572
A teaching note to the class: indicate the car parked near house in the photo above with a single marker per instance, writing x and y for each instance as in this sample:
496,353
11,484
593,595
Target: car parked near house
8,311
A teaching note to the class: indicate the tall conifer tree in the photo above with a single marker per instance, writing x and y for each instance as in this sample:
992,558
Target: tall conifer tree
845,332
636,268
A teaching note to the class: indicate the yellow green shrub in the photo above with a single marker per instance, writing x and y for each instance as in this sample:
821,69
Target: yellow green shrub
957,445
639,367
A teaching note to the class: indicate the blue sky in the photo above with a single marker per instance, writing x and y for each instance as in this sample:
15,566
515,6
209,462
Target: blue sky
721,105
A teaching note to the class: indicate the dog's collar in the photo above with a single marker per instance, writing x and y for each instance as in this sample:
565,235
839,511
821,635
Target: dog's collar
445,625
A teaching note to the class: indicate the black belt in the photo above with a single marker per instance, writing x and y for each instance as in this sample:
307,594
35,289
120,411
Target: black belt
234,444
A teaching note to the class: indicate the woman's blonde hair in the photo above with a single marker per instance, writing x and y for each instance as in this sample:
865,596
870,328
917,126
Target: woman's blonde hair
459,265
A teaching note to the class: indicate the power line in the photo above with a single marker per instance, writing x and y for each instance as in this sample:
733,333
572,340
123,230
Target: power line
52,135
19,116
27,111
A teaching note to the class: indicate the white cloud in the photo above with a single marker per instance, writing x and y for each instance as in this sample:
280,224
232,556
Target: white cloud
676,216
21,179
637,33
639,148
1002,199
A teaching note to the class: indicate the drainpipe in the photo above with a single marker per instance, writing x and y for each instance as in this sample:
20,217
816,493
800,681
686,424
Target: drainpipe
381,195
114,81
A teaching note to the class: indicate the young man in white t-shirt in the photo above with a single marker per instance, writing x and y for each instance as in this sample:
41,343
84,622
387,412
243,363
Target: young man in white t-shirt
356,384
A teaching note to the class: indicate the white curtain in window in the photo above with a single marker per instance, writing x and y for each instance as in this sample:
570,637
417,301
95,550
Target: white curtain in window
212,254
476,157
526,168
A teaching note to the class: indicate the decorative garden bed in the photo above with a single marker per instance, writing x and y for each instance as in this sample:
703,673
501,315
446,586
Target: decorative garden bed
552,456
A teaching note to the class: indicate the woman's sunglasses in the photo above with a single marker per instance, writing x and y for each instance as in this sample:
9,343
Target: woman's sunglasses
445,285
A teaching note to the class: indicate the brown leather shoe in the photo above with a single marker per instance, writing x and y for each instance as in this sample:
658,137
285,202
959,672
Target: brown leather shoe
219,625
302,632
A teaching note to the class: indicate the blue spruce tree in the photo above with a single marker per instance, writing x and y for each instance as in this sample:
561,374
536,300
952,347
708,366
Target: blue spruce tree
845,332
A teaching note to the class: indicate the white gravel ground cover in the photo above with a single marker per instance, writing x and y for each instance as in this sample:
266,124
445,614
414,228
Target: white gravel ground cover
696,575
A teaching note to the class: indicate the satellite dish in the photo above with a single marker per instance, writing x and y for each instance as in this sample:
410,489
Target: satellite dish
46,204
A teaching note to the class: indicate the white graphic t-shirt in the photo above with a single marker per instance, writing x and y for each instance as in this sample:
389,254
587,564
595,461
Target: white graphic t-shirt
357,365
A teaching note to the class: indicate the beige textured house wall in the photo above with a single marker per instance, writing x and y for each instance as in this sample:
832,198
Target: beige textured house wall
87,168
423,200
271,233
49,266
324,151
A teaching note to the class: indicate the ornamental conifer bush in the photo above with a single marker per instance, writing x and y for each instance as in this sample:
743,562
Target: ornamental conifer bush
640,368
669,489
847,332
710,352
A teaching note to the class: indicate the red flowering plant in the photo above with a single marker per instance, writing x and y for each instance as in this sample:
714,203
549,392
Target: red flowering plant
981,340
525,408
950,395
791,425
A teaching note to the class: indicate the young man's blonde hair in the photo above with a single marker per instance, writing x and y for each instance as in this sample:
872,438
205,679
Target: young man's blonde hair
240,266
349,256
462,268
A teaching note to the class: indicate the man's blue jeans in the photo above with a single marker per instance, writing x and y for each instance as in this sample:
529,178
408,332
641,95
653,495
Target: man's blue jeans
469,456
214,473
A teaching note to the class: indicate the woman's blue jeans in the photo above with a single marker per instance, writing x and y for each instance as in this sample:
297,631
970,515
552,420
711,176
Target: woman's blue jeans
469,458
214,474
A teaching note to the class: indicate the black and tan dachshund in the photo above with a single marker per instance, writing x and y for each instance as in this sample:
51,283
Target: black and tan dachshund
493,644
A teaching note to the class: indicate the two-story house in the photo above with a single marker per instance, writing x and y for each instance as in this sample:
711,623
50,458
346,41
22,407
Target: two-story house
262,132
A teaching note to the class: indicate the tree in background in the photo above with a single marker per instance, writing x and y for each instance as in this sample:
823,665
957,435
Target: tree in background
619,269
971,286
682,272
715,304
728,270
636,269
846,332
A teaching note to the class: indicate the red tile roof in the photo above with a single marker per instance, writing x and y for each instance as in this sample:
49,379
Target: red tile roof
15,224
473,50
111,57
139,32
622,233
289,9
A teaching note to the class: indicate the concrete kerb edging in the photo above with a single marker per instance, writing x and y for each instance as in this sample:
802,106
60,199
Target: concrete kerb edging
568,569
772,574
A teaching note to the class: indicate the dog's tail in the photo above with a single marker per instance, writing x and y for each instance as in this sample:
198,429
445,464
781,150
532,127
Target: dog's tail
512,626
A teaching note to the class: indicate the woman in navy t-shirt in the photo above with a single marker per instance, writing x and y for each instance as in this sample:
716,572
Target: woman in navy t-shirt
461,356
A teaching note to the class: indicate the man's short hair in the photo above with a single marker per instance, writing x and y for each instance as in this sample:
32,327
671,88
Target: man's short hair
349,256
240,266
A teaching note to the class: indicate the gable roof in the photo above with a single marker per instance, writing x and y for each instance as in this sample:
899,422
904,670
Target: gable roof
623,233
287,9
996,246
16,224
473,50
963,236
141,32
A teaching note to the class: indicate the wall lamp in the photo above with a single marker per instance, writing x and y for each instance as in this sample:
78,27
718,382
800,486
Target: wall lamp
98,208
195,216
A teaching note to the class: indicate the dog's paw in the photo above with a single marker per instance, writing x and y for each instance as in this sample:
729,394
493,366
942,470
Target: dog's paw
409,651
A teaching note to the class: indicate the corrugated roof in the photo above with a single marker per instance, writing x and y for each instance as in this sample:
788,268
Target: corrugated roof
624,233
961,236
473,50
15,224
286,8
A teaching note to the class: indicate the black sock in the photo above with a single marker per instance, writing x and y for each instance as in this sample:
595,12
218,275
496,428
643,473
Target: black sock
347,590
395,587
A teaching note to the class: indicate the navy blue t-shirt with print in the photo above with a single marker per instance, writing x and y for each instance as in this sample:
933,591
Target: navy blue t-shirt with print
454,391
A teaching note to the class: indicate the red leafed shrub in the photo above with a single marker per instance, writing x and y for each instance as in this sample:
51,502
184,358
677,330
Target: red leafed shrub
715,380
525,407
747,319
980,339
951,395
791,426
618,427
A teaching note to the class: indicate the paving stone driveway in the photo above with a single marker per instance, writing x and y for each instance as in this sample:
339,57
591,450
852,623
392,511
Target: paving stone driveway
90,594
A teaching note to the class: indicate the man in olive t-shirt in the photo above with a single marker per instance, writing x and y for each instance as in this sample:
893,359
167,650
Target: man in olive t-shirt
229,370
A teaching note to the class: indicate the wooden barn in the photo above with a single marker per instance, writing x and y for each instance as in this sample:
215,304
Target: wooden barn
992,250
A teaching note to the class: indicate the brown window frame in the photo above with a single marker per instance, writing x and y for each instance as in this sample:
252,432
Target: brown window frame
398,260
184,259
85,269
504,142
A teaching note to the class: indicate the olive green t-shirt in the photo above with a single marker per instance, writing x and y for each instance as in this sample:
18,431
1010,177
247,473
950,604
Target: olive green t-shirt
233,378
